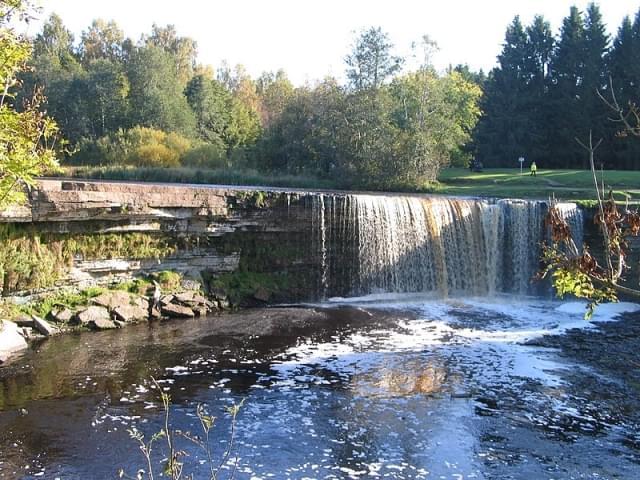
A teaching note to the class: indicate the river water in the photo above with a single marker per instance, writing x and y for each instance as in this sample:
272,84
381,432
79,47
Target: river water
397,387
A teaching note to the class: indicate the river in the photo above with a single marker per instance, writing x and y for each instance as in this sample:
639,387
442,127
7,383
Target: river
391,386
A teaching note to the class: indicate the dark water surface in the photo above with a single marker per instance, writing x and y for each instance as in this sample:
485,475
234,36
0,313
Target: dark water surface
393,387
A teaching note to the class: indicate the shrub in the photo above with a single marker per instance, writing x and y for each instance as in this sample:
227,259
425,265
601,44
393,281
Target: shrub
154,155
207,155
139,146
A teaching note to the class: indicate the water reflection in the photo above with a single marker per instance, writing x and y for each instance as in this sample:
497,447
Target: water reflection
402,378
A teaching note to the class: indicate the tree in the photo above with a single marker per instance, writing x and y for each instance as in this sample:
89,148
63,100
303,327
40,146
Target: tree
54,40
576,271
156,93
183,50
107,89
502,134
102,40
275,91
370,63
623,92
210,101
244,124
595,77
26,137
578,72
539,50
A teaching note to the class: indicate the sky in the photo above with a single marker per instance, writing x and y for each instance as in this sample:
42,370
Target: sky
309,39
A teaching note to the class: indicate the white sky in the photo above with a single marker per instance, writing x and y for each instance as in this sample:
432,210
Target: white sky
309,39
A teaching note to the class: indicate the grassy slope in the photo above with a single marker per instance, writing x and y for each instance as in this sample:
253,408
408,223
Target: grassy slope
564,184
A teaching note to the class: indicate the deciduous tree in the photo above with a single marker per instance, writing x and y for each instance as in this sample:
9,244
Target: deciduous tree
26,137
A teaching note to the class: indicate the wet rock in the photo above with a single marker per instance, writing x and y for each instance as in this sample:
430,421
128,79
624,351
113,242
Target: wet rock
131,313
190,283
489,402
29,333
177,311
262,294
200,311
184,297
24,321
63,315
92,314
112,299
43,326
140,302
11,341
166,299
461,394
155,314
223,304
102,324
119,323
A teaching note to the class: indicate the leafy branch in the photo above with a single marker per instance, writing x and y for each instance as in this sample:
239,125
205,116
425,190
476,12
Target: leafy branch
579,273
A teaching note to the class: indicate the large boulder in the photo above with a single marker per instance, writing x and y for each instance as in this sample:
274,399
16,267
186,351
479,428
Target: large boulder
131,313
92,314
166,299
112,299
11,341
63,315
140,302
184,297
102,324
177,311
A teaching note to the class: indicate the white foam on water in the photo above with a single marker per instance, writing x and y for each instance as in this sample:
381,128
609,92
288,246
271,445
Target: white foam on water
501,323
459,344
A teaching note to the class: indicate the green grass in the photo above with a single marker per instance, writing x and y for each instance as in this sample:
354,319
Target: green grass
197,176
575,185
63,299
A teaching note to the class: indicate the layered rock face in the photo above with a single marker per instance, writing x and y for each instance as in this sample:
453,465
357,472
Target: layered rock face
204,231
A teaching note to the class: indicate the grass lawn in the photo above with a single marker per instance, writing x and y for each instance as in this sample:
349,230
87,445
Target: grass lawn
564,184
572,185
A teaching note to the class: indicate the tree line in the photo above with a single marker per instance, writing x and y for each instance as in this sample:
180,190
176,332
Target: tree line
545,93
149,103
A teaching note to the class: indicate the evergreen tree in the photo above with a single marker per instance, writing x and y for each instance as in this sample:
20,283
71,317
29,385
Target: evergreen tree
503,131
578,73
540,43
595,79
624,69
567,73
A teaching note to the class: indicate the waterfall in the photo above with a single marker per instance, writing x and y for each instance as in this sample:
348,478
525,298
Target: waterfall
452,246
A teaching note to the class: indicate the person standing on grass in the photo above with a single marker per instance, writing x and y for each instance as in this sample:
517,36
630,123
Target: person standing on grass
534,168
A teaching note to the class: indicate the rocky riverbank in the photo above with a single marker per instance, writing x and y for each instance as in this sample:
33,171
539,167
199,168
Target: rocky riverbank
100,309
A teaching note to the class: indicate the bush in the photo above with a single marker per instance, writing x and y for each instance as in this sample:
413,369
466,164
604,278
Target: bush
155,155
139,146
148,147
207,156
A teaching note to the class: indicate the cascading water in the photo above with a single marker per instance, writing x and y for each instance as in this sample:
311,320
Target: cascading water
374,243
